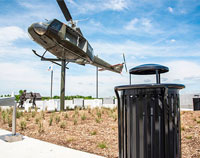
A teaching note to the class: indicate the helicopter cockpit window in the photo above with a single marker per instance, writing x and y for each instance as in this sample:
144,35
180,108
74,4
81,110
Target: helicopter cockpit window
56,25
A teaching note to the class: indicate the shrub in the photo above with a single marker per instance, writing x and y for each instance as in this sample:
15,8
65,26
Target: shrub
97,120
29,110
66,115
0,109
75,121
27,118
22,125
89,110
18,114
37,120
41,128
36,109
99,114
57,119
43,114
9,119
102,145
114,116
3,116
33,114
83,117
188,137
93,133
70,140
51,121
63,125
76,112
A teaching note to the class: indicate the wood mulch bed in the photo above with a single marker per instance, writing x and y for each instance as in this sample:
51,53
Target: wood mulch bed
93,130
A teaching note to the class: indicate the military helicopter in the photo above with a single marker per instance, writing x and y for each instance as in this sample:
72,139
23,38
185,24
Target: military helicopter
67,42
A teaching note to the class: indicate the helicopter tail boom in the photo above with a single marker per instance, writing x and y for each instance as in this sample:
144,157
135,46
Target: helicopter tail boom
115,68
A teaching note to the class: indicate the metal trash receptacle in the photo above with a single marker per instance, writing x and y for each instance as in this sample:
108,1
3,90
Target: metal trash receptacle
149,119
196,104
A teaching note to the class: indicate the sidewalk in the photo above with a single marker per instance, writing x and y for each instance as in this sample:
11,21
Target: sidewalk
33,148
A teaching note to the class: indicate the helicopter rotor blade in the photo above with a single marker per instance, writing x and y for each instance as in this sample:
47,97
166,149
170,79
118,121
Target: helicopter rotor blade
64,10
125,62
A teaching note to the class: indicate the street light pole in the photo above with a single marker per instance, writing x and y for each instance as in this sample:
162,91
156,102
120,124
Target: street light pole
97,83
51,83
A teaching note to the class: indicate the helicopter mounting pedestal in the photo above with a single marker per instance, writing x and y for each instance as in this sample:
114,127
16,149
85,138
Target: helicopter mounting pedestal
63,67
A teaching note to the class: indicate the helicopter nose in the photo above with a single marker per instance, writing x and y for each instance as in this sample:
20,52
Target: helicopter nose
39,28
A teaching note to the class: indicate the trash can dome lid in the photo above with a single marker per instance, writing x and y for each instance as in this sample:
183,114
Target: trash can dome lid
148,69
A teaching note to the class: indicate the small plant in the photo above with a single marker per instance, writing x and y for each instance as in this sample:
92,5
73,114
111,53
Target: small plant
70,140
37,120
3,116
102,145
83,117
29,110
63,125
75,121
9,121
89,109
93,133
51,121
98,113
66,115
22,125
195,119
57,119
97,120
198,121
41,128
76,112
0,109
114,116
43,114
188,137
18,114
27,118
33,114
182,128
35,109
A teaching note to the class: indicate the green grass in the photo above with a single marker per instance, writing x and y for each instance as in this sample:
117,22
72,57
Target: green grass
83,117
93,133
22,125
102,145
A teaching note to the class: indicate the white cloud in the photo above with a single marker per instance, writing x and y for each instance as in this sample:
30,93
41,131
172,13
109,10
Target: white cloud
170,9
100,5
147,50
11,33
132,24
117,5
172,40
141,26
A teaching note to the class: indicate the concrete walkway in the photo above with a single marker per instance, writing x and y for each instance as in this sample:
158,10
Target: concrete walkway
33,148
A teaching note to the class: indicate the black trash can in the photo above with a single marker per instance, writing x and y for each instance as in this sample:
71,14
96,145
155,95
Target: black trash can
149,118
196,104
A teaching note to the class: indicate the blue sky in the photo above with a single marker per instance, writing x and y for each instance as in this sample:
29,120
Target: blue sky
158,31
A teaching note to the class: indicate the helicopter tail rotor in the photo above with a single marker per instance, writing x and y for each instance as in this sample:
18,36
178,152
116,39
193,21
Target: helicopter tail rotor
125,62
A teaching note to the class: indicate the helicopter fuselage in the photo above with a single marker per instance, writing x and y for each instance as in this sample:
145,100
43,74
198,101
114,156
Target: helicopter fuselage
67,43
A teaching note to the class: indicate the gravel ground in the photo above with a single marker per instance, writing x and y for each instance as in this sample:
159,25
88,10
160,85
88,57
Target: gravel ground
93,130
